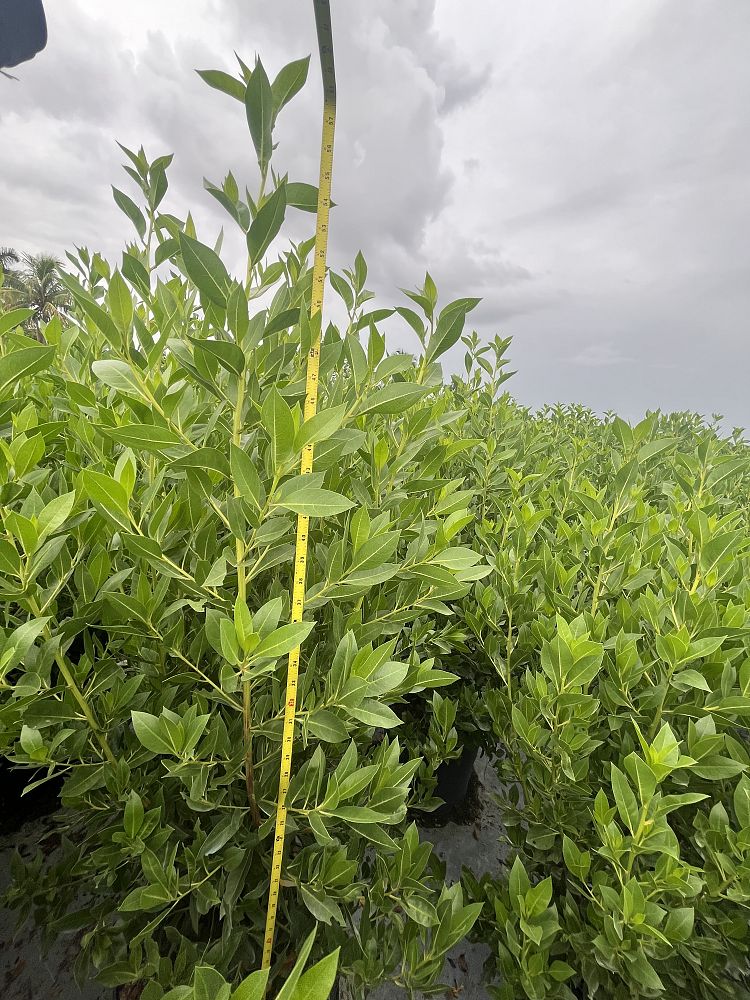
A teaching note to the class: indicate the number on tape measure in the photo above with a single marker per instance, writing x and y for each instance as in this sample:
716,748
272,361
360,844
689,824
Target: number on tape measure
325,47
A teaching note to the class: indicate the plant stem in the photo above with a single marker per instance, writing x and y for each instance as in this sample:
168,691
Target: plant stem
660,708
76,691
85,707
509,654
605,552
247,721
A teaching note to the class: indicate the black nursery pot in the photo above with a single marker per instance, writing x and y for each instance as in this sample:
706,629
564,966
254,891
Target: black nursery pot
17,808
453,779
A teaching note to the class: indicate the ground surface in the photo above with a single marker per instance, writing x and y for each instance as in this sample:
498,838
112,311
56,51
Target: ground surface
26,974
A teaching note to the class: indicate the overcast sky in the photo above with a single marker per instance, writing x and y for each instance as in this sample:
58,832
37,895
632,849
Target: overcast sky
582,166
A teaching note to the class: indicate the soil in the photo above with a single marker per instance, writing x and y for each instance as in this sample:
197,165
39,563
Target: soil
463,813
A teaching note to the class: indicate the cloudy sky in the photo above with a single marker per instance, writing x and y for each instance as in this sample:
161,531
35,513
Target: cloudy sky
582,166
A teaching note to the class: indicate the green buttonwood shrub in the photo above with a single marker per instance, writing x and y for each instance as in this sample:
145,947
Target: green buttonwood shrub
616,620
314,983
148,494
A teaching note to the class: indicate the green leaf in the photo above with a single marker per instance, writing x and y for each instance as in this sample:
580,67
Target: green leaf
266,618
98,316
690,679
679,925
151,733
461,923
420,910
203,458
134,814
221,834
209,984
577,862
653,448
224,82
288,989
151,438
741,800
644,973
289,81
372,713
282,640
228,355
266,224
10,560
317,982
217,573
23,529
16,317
228,645
281,321
625,800
136,273
205,269
394,398
108,495
148,549
518,883
118,375
120,302
167,250
560,971
28,455
214,626
243,623
448,328
302,196
277,420
716,768
359,528
129,207
320,426
313,501
19,364
245,476
237,313
32,743
149,897
331,729
321,906
20,641
259,110
254,987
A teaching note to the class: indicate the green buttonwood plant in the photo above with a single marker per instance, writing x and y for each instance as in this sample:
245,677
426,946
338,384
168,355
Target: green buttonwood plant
617,622
148,494
315,983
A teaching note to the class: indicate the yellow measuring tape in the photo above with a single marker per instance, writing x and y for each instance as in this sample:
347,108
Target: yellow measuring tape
325,47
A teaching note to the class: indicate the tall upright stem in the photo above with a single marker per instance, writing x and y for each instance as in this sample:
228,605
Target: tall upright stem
247,720
77,693
85,707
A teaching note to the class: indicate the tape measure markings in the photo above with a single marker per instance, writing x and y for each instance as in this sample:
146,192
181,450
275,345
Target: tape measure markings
325,47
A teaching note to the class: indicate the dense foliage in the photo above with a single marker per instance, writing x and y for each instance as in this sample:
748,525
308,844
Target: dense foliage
616,621
149,493
566,592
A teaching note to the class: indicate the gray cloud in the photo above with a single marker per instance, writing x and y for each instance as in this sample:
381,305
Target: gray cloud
582,167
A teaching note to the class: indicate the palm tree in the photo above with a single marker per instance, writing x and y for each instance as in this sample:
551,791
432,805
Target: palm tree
8,257
36,285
